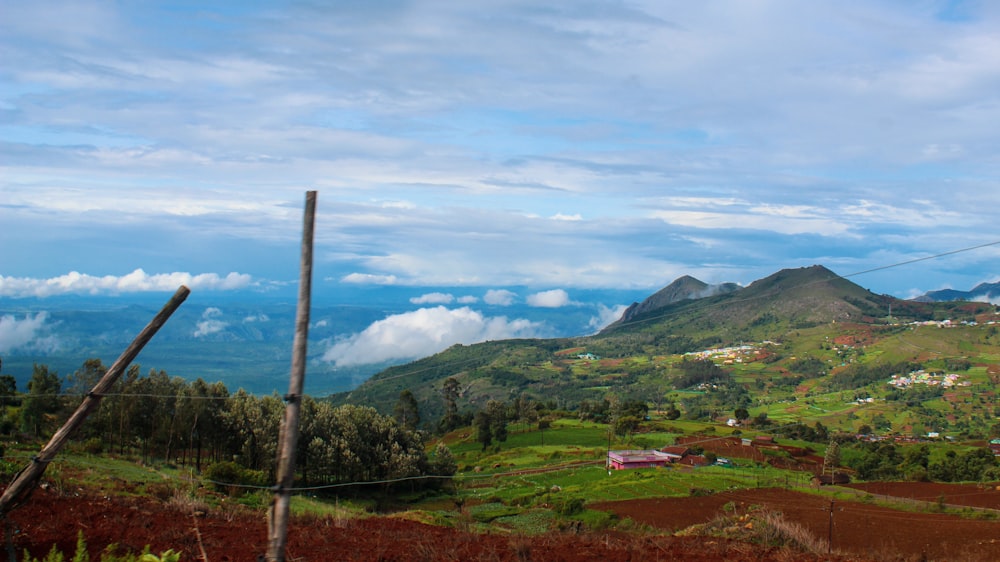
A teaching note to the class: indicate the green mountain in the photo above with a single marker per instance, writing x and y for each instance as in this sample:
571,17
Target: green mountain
684,288
802,325
789,298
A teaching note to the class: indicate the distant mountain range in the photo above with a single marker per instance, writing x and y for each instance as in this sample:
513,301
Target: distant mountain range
984,292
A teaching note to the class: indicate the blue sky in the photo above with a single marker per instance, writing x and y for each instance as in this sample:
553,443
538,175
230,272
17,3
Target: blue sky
553,146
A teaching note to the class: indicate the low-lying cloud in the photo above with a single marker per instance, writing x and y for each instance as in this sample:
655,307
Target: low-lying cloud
433,298
369,279
28,334
555,298
135,282
423,332
499,297
606,315
210,323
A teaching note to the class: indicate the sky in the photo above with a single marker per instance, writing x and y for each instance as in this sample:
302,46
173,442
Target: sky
554,146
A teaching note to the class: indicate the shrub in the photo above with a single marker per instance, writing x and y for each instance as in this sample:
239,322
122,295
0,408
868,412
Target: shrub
93,446
231,478
568,507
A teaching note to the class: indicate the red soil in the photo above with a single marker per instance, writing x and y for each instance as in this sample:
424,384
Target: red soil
49,519
973,495
859,529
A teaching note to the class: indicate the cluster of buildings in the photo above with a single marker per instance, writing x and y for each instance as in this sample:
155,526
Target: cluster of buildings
729,355
946,323
930,379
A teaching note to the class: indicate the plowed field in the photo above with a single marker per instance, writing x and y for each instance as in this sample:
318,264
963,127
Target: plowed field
861,531
859,528
49,519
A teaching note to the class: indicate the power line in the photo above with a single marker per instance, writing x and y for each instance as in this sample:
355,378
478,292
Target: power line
935,256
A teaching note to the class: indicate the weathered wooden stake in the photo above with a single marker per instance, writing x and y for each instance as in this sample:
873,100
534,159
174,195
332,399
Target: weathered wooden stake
277,521
18,490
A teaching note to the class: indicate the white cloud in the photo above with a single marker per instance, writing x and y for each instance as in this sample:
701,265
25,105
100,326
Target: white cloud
137,281
424,332
499,297
777,219
433,298
606,315
25,334
210,323
256,318
562,217
993,298
369,279
549,299
538,171
467,299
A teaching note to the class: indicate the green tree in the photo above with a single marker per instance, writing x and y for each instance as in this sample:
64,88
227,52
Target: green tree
41,402
442,462
8,397
499,417
80,384
484,429
407,411
253,424
449,393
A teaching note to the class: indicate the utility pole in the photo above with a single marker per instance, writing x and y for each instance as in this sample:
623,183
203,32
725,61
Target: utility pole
277,520
24,483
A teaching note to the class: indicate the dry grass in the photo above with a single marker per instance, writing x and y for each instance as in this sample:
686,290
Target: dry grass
186,502
764,527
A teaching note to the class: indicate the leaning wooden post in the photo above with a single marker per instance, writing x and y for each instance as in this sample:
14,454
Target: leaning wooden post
18,490
277,520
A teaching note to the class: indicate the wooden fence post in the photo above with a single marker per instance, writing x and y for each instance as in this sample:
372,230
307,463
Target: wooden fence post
277,521
19,490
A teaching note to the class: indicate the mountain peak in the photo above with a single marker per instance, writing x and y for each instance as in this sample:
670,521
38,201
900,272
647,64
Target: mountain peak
683,288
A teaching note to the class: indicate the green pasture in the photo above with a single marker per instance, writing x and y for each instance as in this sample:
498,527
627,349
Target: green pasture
597,484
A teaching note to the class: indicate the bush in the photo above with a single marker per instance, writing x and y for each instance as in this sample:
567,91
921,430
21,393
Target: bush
568,507
93,446
231,478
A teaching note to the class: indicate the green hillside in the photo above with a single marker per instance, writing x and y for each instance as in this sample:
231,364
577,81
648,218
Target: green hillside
799,345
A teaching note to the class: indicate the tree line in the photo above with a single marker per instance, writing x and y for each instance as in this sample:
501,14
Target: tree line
196,423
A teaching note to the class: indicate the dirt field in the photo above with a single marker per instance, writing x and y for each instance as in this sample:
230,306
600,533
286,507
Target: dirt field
951,494
228,537
863,531
860,529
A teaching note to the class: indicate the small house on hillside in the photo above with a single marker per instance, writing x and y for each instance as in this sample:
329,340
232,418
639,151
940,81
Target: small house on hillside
679,454
621,460
676,452
694,460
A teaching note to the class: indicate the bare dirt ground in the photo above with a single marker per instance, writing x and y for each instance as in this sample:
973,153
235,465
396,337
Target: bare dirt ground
859,528
861,531
973,495
220,536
